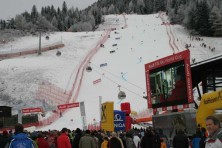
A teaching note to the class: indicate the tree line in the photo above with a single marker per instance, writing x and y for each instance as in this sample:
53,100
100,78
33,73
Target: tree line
201,17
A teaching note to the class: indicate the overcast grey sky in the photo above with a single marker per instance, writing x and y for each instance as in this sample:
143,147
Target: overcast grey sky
9,8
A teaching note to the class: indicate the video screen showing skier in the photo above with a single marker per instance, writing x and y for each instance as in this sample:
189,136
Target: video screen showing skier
168,85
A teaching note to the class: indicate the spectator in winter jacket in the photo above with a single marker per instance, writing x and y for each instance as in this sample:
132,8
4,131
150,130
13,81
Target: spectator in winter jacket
52,139
147,140
196,139
4,138
63,140
87,141
203,137
122,136
136,140
41,142
75,142
180,140
129,139
214,140
162,144
105,142
20,139
163,137
115,141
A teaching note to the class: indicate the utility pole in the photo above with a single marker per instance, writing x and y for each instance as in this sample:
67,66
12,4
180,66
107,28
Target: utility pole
100,110
39,52
20,116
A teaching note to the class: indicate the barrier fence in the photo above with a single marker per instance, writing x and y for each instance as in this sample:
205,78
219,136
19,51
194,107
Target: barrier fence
28,52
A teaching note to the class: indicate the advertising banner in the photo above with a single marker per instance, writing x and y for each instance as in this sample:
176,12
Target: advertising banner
97,81
70,105
128,123
31,110
126,107
209,105
168,81
107,116
119,120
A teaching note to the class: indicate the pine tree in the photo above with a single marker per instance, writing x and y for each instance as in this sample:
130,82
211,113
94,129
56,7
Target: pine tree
191,23
140,6
202,19
20,22
1,24
60,24
131,7
148,6
43,11
111,9
12,23
54,22
27,16
52,12
64,8
215,22
34,14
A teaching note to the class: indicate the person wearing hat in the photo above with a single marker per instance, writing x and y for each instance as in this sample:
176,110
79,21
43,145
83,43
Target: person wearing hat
4,138
63,140
21,139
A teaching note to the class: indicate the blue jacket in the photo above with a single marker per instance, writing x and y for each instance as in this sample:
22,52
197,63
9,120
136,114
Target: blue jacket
21,140
196,142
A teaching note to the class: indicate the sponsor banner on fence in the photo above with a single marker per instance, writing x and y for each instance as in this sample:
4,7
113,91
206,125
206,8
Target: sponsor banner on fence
70,105
31,110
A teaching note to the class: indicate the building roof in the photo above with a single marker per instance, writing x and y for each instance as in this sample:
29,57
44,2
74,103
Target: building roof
206,68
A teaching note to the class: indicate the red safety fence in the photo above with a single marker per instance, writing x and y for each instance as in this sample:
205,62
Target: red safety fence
28,52
93,127
51,94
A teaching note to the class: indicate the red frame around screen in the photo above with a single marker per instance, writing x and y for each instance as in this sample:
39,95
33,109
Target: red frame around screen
181,56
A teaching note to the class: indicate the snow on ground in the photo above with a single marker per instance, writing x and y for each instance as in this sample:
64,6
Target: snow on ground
144,40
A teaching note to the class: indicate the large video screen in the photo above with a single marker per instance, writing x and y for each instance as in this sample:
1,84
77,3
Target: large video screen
168,85
169,81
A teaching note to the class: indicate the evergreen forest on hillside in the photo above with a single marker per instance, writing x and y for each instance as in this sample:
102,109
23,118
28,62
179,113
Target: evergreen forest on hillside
201,17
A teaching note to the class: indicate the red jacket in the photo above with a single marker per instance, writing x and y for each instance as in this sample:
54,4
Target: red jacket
63,141
42,143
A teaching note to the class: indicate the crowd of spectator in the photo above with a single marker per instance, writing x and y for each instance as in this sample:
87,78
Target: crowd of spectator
133,138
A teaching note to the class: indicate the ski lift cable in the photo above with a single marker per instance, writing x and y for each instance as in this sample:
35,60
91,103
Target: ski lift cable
117,83
118,77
